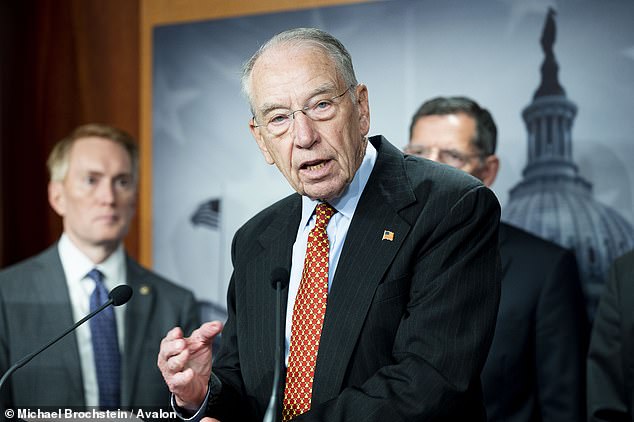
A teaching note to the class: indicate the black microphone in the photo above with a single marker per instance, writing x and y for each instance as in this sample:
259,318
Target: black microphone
279,280
117,296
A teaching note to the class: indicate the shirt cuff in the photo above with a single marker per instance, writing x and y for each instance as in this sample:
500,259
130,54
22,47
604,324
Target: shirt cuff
215,386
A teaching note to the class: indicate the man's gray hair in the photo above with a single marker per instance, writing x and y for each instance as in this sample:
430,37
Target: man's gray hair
309,37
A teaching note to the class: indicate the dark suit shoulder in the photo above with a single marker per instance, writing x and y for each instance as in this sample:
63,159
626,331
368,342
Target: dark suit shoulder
262,218
22,273
273,219
41,259
440,187
533,264
422,172
420,188
164,302
525,243
140,274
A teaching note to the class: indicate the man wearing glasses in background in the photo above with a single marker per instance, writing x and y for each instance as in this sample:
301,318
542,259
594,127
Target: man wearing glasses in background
535,367
393,263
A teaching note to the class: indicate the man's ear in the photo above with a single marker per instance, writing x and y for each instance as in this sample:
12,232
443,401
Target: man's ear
257,135
364,108
56,197
489,170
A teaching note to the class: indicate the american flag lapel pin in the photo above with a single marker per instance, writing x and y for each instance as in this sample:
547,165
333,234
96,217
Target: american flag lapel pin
388,235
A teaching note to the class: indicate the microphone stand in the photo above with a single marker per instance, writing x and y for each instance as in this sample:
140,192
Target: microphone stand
271,410
118,296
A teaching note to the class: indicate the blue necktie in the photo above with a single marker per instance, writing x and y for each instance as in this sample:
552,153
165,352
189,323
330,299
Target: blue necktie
105,346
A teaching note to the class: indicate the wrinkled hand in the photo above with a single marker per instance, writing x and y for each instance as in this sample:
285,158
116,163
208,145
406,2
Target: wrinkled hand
185,363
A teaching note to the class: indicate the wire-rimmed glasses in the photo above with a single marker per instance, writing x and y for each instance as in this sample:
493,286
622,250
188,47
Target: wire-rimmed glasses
278,121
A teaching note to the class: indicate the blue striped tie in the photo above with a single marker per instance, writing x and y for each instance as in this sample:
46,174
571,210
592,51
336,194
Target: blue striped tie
105,346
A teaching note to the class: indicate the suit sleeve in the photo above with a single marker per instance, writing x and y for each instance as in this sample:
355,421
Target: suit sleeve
231,403
446,330
607,399
560,344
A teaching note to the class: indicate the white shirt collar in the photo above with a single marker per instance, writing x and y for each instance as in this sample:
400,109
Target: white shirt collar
76,264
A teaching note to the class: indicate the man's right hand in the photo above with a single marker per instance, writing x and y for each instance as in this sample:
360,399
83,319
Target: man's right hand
185,363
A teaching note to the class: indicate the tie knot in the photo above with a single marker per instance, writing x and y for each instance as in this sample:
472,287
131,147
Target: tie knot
323,213
96,275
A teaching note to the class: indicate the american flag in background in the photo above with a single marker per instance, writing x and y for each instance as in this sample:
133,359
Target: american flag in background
206,258
207,214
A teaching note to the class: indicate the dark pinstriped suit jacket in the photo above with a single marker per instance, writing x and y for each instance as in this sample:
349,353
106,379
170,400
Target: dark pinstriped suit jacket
409,322
35,307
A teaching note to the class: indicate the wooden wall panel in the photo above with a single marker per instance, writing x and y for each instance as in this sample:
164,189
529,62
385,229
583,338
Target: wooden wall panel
66,63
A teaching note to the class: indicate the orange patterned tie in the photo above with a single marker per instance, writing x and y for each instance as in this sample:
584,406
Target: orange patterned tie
308,318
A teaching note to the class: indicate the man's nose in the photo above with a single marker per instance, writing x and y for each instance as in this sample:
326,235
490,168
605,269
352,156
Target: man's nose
106,192
431,154
304,134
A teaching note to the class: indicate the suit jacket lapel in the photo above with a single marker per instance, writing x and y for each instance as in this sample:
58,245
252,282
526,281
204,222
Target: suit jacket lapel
137,318
505,258
365,257
52,286
281,231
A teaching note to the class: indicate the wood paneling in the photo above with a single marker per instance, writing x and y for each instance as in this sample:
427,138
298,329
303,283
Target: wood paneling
66,63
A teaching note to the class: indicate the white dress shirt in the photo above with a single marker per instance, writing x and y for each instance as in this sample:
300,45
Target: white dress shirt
76,267
337,230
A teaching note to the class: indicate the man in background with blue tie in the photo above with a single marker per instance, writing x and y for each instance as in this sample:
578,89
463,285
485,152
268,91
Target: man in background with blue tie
108,362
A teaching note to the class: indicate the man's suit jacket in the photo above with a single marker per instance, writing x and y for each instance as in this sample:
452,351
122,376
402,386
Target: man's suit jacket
35,307
535,369
409,321
611,355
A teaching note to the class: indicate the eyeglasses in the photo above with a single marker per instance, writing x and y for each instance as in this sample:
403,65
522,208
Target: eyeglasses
446,156
318,110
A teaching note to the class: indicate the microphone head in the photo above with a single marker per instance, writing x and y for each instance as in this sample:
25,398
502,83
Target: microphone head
120,294
279,274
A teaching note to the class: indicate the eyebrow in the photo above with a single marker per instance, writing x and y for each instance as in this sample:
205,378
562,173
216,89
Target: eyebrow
101,173
320,90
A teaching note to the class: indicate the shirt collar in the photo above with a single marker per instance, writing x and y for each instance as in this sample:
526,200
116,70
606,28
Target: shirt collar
346,204
76,264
